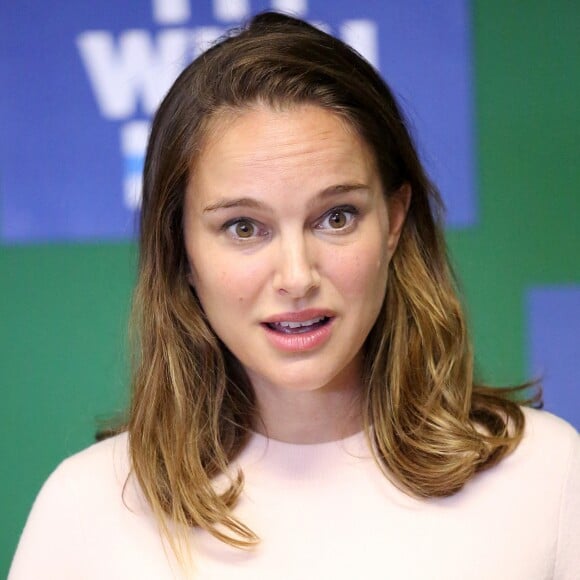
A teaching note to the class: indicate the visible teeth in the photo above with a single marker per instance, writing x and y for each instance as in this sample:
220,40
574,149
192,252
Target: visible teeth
299,324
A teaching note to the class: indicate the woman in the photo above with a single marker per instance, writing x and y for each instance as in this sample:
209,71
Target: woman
303,402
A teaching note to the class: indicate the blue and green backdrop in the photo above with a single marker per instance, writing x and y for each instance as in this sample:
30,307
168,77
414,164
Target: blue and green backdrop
491,91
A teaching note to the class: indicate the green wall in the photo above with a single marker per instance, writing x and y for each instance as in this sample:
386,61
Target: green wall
63,312
63,308
527,90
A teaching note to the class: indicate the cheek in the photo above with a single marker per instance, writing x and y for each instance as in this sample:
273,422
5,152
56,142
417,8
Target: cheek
224,281
362,272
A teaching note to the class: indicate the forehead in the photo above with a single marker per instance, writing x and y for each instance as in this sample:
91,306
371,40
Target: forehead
261,138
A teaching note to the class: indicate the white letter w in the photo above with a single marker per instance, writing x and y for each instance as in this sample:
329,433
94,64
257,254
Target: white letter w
136,70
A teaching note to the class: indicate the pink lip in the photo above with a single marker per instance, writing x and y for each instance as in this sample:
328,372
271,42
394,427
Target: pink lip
301,316
303,341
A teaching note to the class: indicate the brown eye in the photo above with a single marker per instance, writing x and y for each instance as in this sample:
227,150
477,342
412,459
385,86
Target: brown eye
337,220
244,229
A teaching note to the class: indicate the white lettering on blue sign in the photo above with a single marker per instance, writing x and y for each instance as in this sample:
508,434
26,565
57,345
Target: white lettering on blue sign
294,7
130,76
171,11
94,86
135,70
231,10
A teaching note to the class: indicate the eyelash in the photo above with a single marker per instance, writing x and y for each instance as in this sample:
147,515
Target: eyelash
232,223
344,209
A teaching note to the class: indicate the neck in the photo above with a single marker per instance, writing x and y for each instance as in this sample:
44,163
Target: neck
317,416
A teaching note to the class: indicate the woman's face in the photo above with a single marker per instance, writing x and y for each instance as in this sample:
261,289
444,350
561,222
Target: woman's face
288,238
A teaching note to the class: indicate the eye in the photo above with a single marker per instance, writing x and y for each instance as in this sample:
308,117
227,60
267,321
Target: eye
338,218
242,229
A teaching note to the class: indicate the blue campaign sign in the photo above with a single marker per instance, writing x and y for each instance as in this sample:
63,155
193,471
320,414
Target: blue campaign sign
82,79
554,350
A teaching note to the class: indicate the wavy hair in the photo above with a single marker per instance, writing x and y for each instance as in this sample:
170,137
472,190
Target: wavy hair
192,411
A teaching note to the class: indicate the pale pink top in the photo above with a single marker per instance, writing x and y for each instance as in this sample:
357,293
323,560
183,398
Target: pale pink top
322,511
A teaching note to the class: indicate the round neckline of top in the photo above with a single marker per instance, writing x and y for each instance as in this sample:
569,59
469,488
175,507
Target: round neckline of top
304,459
264,439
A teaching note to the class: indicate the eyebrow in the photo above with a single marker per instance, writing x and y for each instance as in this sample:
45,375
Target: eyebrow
250,202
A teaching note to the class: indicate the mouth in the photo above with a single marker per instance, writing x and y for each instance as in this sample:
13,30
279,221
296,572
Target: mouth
298,327
303,331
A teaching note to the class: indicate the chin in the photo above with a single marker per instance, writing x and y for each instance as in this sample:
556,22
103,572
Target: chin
306,380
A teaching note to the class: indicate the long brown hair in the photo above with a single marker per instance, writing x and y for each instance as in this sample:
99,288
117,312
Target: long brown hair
431,428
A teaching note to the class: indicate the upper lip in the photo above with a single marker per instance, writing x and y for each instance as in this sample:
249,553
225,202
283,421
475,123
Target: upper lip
300,316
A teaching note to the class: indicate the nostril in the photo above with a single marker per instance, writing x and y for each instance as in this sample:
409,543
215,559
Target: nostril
295,273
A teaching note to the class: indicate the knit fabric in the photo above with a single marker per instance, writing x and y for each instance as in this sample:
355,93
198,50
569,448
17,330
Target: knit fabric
321,511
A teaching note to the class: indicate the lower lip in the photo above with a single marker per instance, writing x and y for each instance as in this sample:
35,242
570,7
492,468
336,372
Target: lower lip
300,342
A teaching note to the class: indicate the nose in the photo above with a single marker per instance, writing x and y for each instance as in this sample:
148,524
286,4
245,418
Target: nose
296,273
